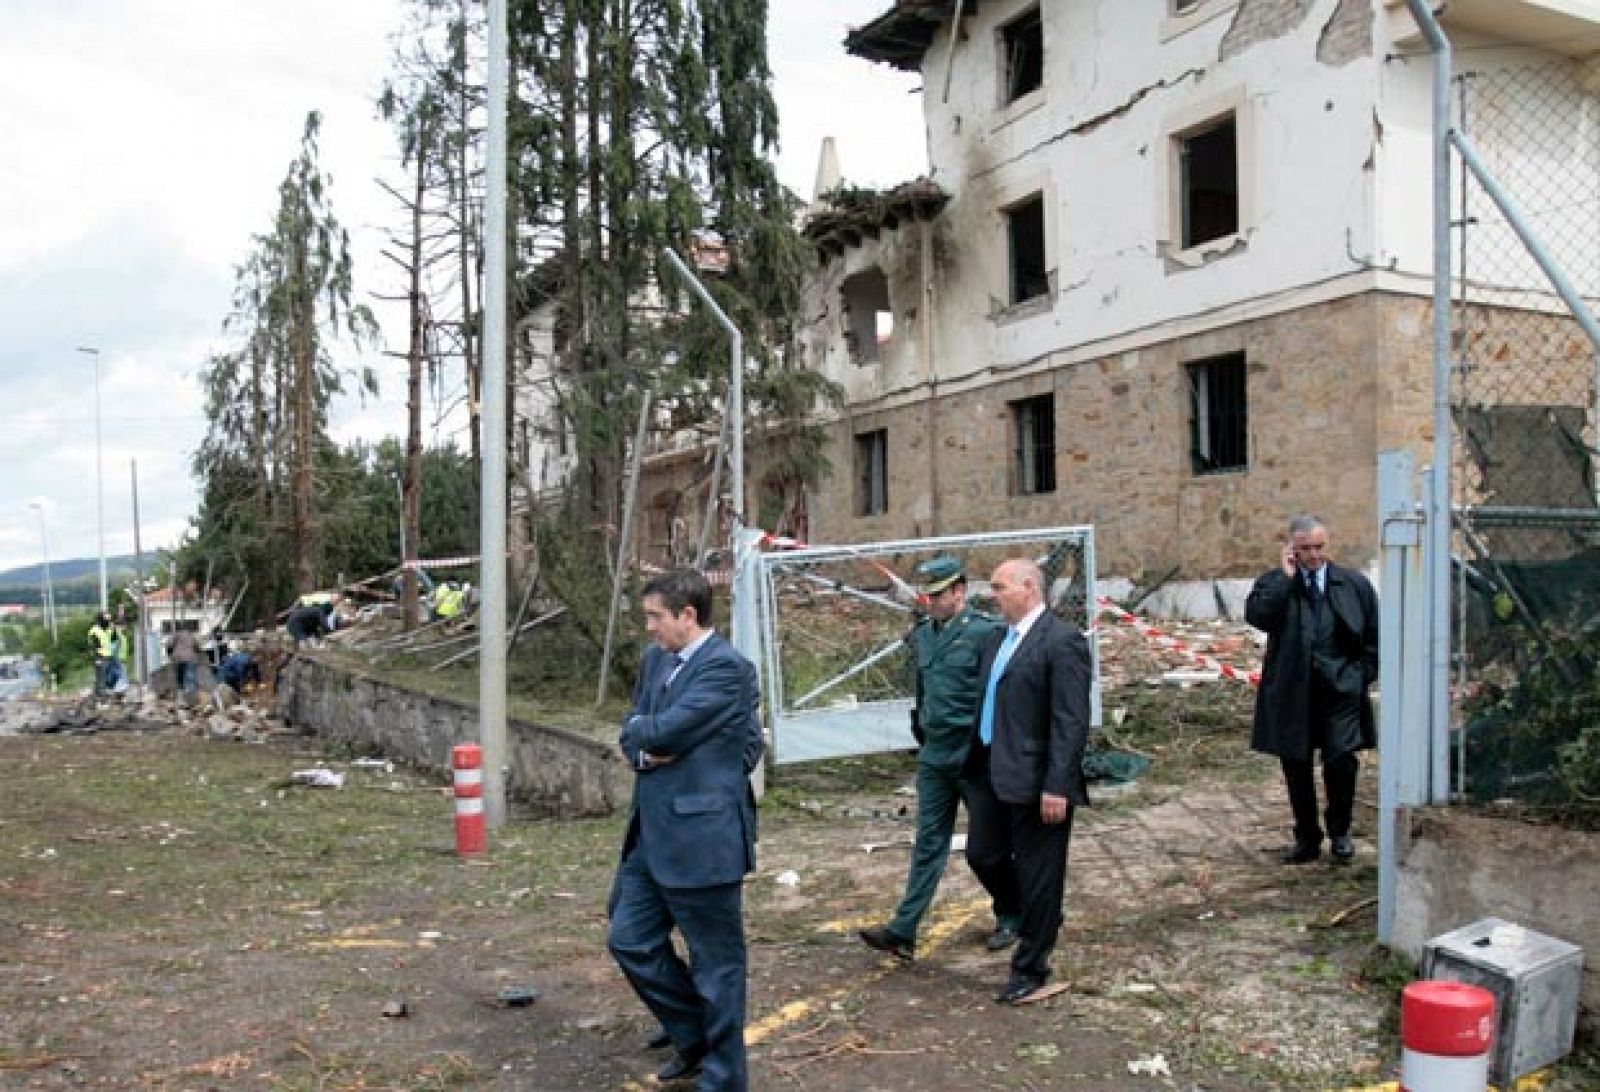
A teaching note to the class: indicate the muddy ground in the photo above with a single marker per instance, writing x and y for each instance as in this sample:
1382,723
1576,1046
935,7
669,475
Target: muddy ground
176,914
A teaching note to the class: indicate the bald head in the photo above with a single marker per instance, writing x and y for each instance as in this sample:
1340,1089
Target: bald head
1018,586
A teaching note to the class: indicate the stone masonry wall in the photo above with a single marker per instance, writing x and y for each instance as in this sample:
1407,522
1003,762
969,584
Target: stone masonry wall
1328,387
557,772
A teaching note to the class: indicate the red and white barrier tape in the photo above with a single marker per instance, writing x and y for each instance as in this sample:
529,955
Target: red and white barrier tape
770,541
1167,640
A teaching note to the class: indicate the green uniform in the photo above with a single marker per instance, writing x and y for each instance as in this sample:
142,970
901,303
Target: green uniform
945,659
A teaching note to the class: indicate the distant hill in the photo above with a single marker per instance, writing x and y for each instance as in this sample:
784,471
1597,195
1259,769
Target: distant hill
72,569
76,580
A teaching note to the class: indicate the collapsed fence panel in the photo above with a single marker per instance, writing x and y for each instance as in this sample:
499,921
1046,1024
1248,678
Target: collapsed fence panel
833,622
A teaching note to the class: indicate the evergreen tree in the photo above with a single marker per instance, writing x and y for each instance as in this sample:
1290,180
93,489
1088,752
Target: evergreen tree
267,399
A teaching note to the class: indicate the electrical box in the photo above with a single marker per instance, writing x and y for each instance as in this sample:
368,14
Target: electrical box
1534,979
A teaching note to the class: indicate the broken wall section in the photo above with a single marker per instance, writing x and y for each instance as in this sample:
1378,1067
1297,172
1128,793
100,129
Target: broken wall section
556,772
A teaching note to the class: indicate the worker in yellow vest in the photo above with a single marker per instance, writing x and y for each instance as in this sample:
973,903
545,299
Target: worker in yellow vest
448,601
103,650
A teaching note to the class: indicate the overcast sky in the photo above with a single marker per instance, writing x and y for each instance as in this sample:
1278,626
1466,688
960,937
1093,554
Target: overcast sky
144,141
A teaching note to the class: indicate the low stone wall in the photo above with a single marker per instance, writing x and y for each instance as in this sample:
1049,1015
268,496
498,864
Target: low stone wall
1456,868
557,772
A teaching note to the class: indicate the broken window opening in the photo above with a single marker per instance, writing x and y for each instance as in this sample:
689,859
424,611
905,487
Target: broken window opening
1209,177
1218,432
872,472
869,321
1022,45
1025,239
1033,430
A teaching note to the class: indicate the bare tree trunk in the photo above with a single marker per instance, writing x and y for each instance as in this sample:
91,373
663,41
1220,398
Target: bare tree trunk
412,488
470,267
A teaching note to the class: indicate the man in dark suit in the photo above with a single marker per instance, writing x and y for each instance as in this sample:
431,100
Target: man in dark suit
1024,772
693,737
1321,622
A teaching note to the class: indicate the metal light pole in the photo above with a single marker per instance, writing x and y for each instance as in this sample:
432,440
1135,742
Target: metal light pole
99,484
49,587
492,505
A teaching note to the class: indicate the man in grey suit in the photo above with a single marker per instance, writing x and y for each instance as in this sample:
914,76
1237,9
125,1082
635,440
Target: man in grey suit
692,737
1024,772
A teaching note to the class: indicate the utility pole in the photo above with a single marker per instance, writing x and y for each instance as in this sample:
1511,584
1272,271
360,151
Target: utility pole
99,482
48,588
492,507
141,653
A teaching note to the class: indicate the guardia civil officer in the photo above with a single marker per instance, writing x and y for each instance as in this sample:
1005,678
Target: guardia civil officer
944,648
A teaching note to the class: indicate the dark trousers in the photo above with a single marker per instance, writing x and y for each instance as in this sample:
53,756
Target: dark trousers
938,795
989,852
1338,783
1022,862
700,1004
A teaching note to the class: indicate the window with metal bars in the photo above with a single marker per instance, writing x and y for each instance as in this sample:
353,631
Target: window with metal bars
872,472
1033,429
1218,418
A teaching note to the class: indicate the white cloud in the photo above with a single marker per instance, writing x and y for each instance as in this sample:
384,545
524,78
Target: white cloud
144,143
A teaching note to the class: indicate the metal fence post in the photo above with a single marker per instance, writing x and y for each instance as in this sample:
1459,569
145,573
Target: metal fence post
1400,523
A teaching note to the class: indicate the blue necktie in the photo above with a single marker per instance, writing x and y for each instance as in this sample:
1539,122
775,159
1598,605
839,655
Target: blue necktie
674,665
1001,658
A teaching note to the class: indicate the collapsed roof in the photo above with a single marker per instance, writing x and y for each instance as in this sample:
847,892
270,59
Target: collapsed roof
851,215
901,36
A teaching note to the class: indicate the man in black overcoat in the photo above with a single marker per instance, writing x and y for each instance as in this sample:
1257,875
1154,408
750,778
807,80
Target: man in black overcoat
1321,622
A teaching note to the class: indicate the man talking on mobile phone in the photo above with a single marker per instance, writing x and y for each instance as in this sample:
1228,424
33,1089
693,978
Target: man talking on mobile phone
1321,622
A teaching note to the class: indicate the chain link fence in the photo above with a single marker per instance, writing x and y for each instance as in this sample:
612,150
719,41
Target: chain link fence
1526,403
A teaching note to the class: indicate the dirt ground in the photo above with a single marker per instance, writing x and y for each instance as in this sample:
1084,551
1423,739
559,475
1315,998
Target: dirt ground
175,913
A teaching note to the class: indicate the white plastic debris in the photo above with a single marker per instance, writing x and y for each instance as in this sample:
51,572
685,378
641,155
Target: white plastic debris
1153,1066
788,879
373,764
319,777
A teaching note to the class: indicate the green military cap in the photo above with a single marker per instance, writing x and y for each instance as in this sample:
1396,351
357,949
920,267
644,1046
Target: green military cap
939,573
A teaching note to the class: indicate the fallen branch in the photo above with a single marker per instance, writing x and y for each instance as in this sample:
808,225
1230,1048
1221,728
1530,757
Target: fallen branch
42,1061
1345,915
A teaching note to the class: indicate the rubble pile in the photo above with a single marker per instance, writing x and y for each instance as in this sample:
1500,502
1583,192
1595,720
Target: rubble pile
223,714
1130,658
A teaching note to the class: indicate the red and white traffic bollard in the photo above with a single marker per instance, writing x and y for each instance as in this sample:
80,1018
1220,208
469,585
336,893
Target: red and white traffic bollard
1446,1034
467,759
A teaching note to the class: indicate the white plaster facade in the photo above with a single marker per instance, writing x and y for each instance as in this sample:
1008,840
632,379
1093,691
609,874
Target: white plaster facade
1331,105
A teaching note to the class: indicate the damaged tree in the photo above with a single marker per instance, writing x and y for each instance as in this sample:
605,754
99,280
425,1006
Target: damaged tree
267,402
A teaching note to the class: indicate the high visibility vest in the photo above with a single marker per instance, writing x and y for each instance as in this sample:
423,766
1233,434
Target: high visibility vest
101,642
449,603
314,599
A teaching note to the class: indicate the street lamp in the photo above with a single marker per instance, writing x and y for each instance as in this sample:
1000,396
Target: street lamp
99,485
47,587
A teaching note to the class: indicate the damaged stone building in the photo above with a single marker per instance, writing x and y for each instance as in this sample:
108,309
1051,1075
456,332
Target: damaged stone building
1169,274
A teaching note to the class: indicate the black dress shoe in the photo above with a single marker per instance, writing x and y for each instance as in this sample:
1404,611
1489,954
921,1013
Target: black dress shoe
1343,848
659,1041
684,1065
881,940
1003,937
1302,853
1018,990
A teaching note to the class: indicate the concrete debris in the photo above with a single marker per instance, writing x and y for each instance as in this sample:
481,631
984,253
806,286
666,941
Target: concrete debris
319,777
1153,1066
1128,657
